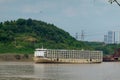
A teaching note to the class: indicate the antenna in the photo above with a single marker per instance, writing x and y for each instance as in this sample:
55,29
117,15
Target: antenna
76,36
82,35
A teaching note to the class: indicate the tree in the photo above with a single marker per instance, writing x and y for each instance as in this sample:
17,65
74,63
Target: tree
111,1
21,22
29,22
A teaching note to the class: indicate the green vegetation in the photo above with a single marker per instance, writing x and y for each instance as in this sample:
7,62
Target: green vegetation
107,49
23,36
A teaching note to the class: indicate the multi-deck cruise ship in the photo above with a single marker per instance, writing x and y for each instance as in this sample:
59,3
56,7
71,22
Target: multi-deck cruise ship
67,56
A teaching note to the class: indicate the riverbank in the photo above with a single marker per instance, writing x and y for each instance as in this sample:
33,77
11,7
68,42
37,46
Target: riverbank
16,57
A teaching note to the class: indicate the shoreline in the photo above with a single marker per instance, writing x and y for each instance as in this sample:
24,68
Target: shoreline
16,57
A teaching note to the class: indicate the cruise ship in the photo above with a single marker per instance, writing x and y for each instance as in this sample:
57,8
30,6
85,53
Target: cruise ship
67,56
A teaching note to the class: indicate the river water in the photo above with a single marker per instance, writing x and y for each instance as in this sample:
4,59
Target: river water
31,71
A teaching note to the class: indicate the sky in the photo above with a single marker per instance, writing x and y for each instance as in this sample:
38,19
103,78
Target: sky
94,17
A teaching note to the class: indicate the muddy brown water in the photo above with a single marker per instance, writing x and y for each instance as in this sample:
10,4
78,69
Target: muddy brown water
32,71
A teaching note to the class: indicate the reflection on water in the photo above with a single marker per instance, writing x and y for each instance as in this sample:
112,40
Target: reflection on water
17,78
31,71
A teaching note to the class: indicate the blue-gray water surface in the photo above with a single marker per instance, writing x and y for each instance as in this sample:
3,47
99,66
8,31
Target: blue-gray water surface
32,71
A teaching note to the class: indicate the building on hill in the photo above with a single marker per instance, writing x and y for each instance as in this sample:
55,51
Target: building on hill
110,37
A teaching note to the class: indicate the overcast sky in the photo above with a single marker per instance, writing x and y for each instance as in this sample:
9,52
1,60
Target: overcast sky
95,17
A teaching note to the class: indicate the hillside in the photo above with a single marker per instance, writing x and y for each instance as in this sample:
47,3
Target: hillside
108,49
23,36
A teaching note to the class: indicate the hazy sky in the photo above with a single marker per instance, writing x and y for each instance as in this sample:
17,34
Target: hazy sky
95,17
